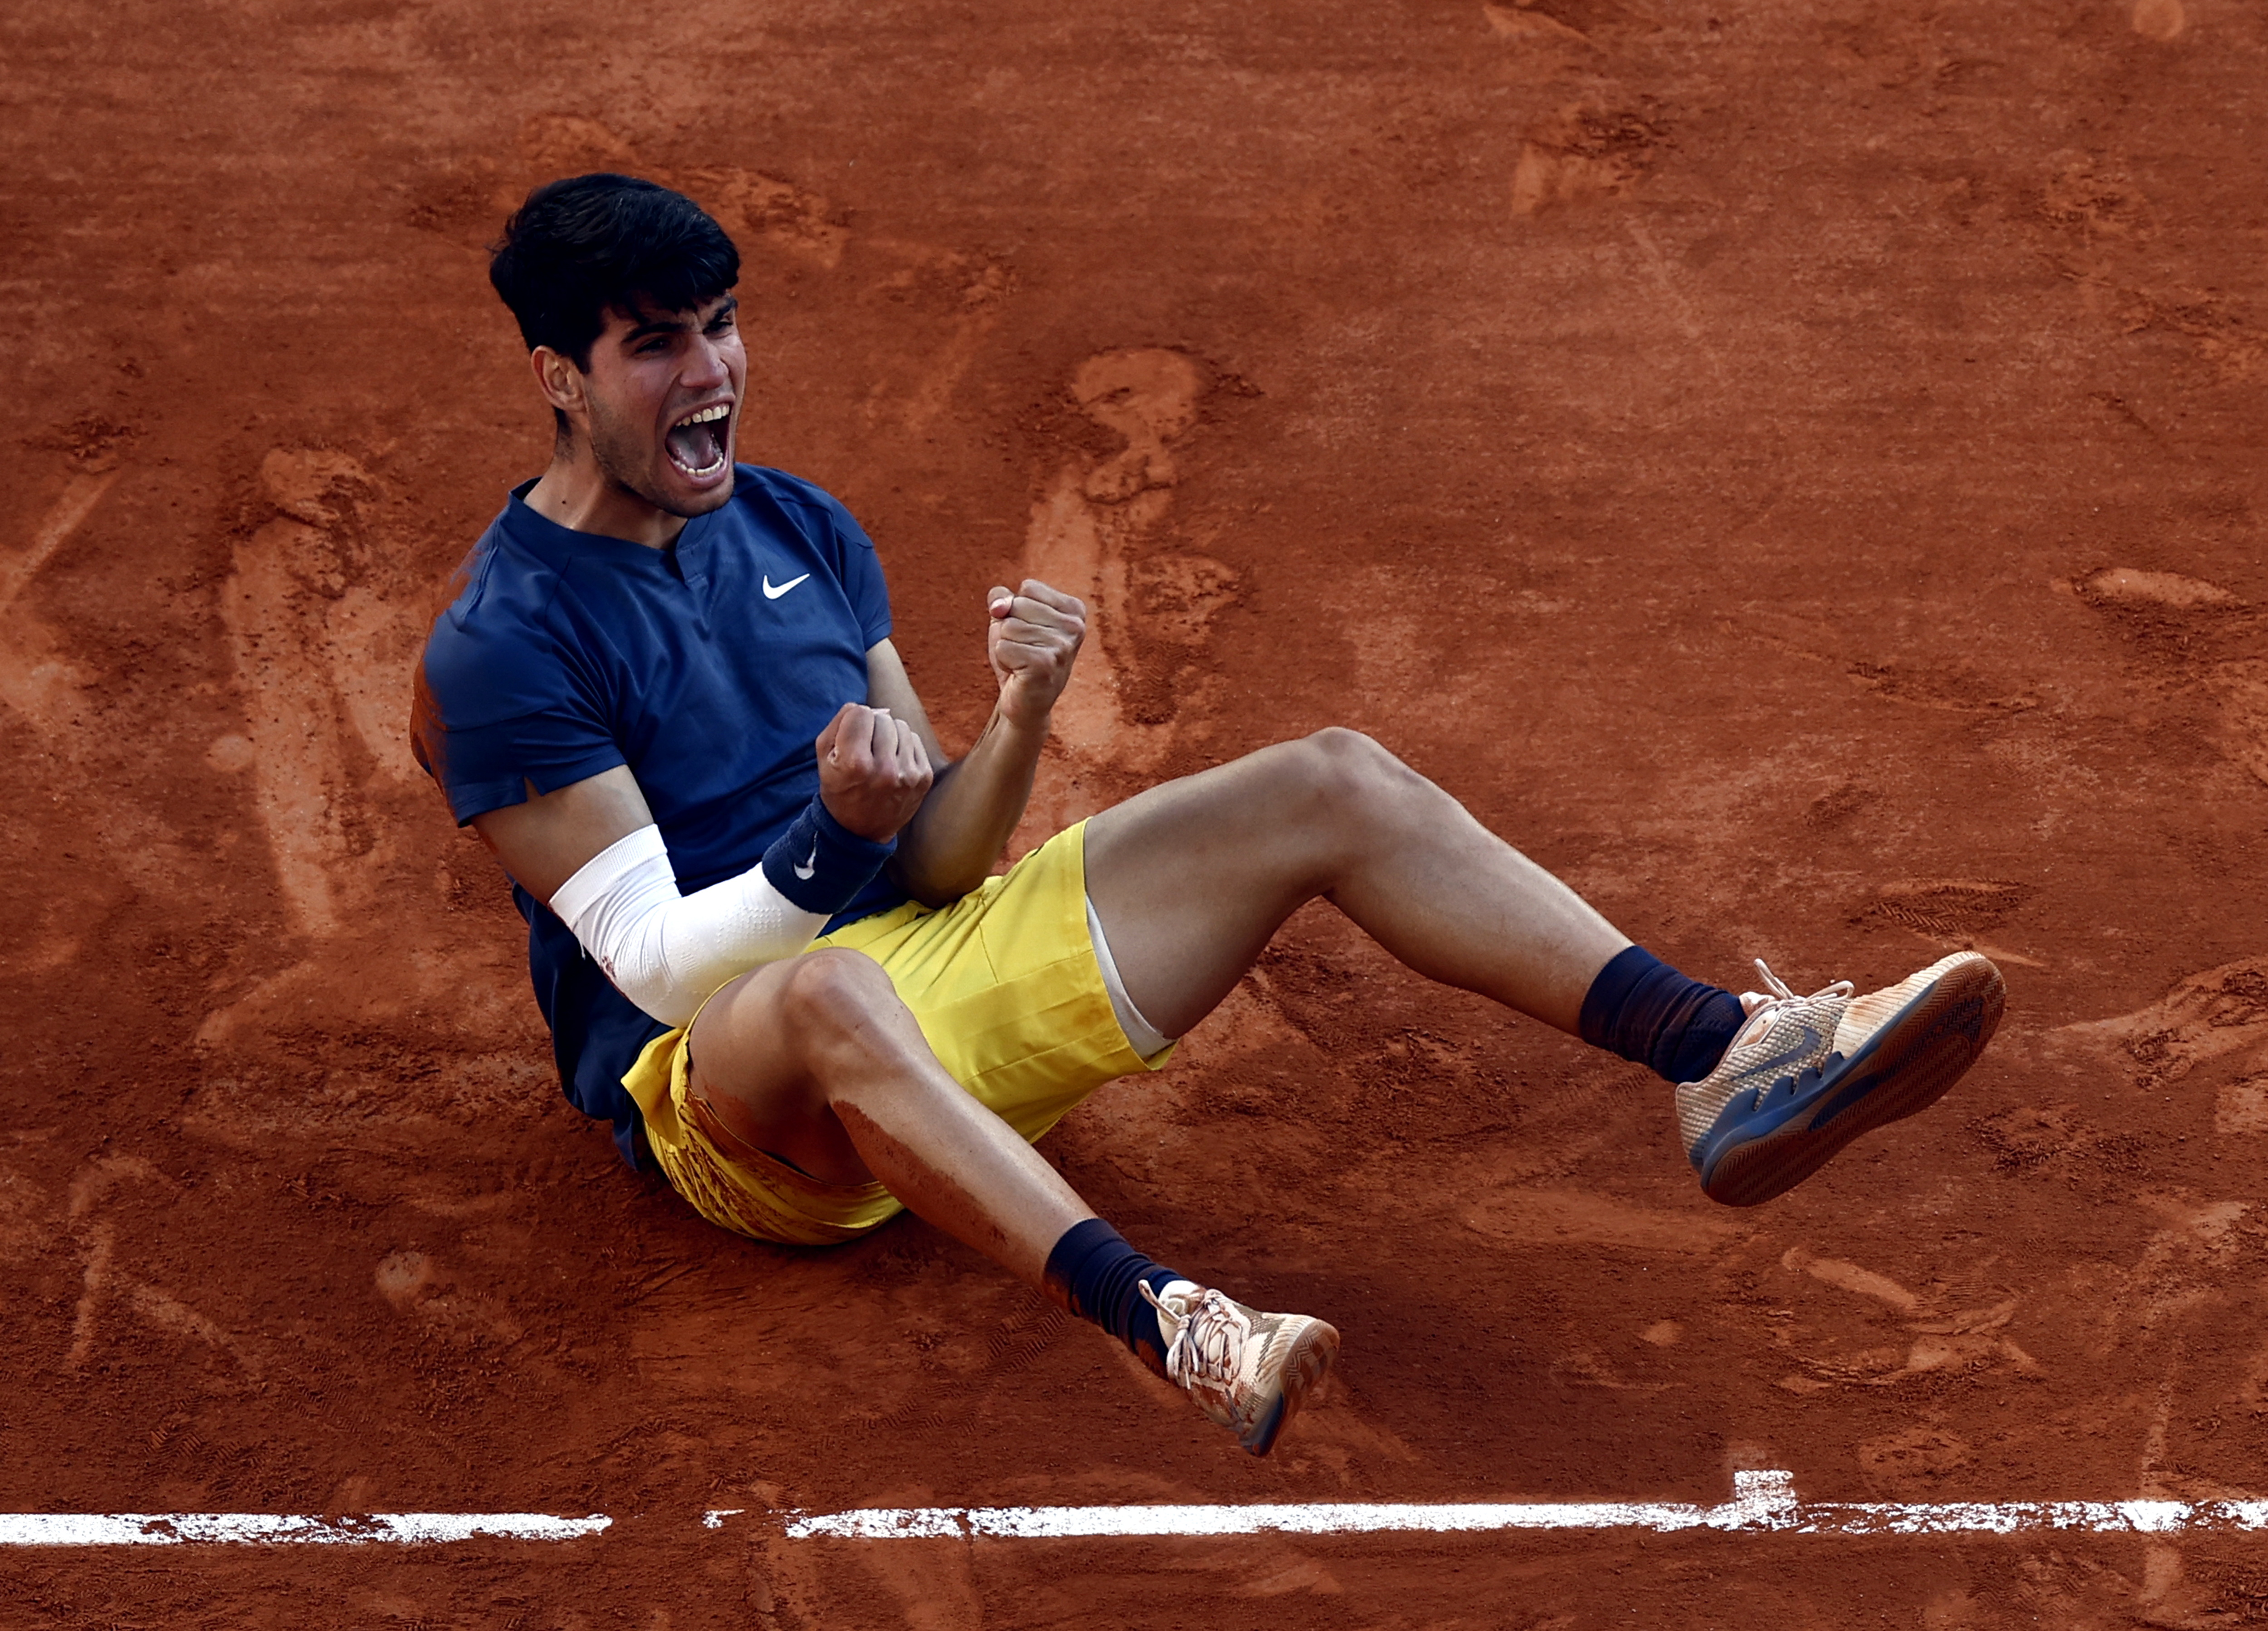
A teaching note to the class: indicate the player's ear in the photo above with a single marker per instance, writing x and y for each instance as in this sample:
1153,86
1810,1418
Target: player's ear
558,378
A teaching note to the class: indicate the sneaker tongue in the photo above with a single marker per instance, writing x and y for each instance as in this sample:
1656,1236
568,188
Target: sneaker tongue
1758,1023
1174,1303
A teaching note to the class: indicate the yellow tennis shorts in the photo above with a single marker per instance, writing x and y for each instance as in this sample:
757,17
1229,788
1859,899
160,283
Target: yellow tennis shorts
1007,990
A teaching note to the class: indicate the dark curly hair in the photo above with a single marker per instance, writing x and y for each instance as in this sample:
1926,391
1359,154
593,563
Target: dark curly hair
589,243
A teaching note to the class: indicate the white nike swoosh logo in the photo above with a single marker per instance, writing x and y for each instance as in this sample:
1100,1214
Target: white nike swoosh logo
771,593
812,865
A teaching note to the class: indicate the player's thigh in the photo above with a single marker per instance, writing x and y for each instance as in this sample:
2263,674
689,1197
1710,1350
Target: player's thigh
1192,878
770,1048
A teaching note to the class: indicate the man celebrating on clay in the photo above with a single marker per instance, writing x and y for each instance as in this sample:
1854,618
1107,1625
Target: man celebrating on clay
763,923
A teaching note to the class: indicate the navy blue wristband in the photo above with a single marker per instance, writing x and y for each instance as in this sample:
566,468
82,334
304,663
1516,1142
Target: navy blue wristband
820,865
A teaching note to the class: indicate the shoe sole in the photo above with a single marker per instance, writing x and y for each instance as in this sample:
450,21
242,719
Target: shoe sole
1312,1353
1904,1068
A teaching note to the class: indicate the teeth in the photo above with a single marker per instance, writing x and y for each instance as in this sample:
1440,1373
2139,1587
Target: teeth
707,414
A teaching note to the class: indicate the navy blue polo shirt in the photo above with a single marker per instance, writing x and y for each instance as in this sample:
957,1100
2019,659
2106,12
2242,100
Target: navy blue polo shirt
708,667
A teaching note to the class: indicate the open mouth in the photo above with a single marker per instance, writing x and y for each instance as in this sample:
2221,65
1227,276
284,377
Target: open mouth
696,443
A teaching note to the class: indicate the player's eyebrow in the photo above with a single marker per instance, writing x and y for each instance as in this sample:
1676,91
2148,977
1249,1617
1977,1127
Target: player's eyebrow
678,322
672,323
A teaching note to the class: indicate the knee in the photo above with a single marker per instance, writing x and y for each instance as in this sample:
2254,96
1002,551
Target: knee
1335,790
1344,771
831,994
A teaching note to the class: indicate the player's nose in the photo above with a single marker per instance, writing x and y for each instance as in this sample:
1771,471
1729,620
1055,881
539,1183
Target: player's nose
704,365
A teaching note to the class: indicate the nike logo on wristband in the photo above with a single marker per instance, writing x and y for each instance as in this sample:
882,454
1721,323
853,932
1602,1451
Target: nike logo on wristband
812,865
771,593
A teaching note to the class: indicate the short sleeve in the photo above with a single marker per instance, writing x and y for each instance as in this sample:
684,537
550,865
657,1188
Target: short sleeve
500,706
862,577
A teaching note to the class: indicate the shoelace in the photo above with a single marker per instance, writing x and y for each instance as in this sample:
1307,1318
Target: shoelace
1209,1342
1780,995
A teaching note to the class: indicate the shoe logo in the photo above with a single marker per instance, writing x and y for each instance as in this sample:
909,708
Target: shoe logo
811,866
1795,1054
770,593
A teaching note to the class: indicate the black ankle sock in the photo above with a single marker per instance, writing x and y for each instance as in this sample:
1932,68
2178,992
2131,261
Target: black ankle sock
1646,1010
1099,1276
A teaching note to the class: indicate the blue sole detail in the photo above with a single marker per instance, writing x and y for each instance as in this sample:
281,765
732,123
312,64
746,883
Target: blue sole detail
1264,1440
1757,1152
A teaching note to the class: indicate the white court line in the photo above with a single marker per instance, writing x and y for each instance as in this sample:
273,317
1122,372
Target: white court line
281,1529
1761,1502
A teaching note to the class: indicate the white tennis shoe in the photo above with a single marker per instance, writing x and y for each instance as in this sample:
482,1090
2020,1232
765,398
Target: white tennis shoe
1248,1370
1806,1075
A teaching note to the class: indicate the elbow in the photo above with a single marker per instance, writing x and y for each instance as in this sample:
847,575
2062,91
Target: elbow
647,983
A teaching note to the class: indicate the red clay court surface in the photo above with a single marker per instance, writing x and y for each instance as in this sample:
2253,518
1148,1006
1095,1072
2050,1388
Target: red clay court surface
1798,471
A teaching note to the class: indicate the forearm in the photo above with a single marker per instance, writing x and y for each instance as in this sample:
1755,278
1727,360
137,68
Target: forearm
667,951
964,825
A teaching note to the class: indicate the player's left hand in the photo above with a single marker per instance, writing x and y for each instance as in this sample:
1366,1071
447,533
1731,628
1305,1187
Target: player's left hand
1032,640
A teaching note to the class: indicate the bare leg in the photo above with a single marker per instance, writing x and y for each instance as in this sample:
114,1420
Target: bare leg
1190,879
816,1061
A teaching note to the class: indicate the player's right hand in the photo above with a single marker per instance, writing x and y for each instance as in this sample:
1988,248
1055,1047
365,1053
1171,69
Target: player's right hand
873,771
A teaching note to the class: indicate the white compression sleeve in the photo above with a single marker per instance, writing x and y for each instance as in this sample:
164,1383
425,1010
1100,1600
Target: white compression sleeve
667,952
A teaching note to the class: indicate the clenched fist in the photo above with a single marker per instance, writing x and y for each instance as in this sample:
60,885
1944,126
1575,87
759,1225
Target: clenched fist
873,771
1033,638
